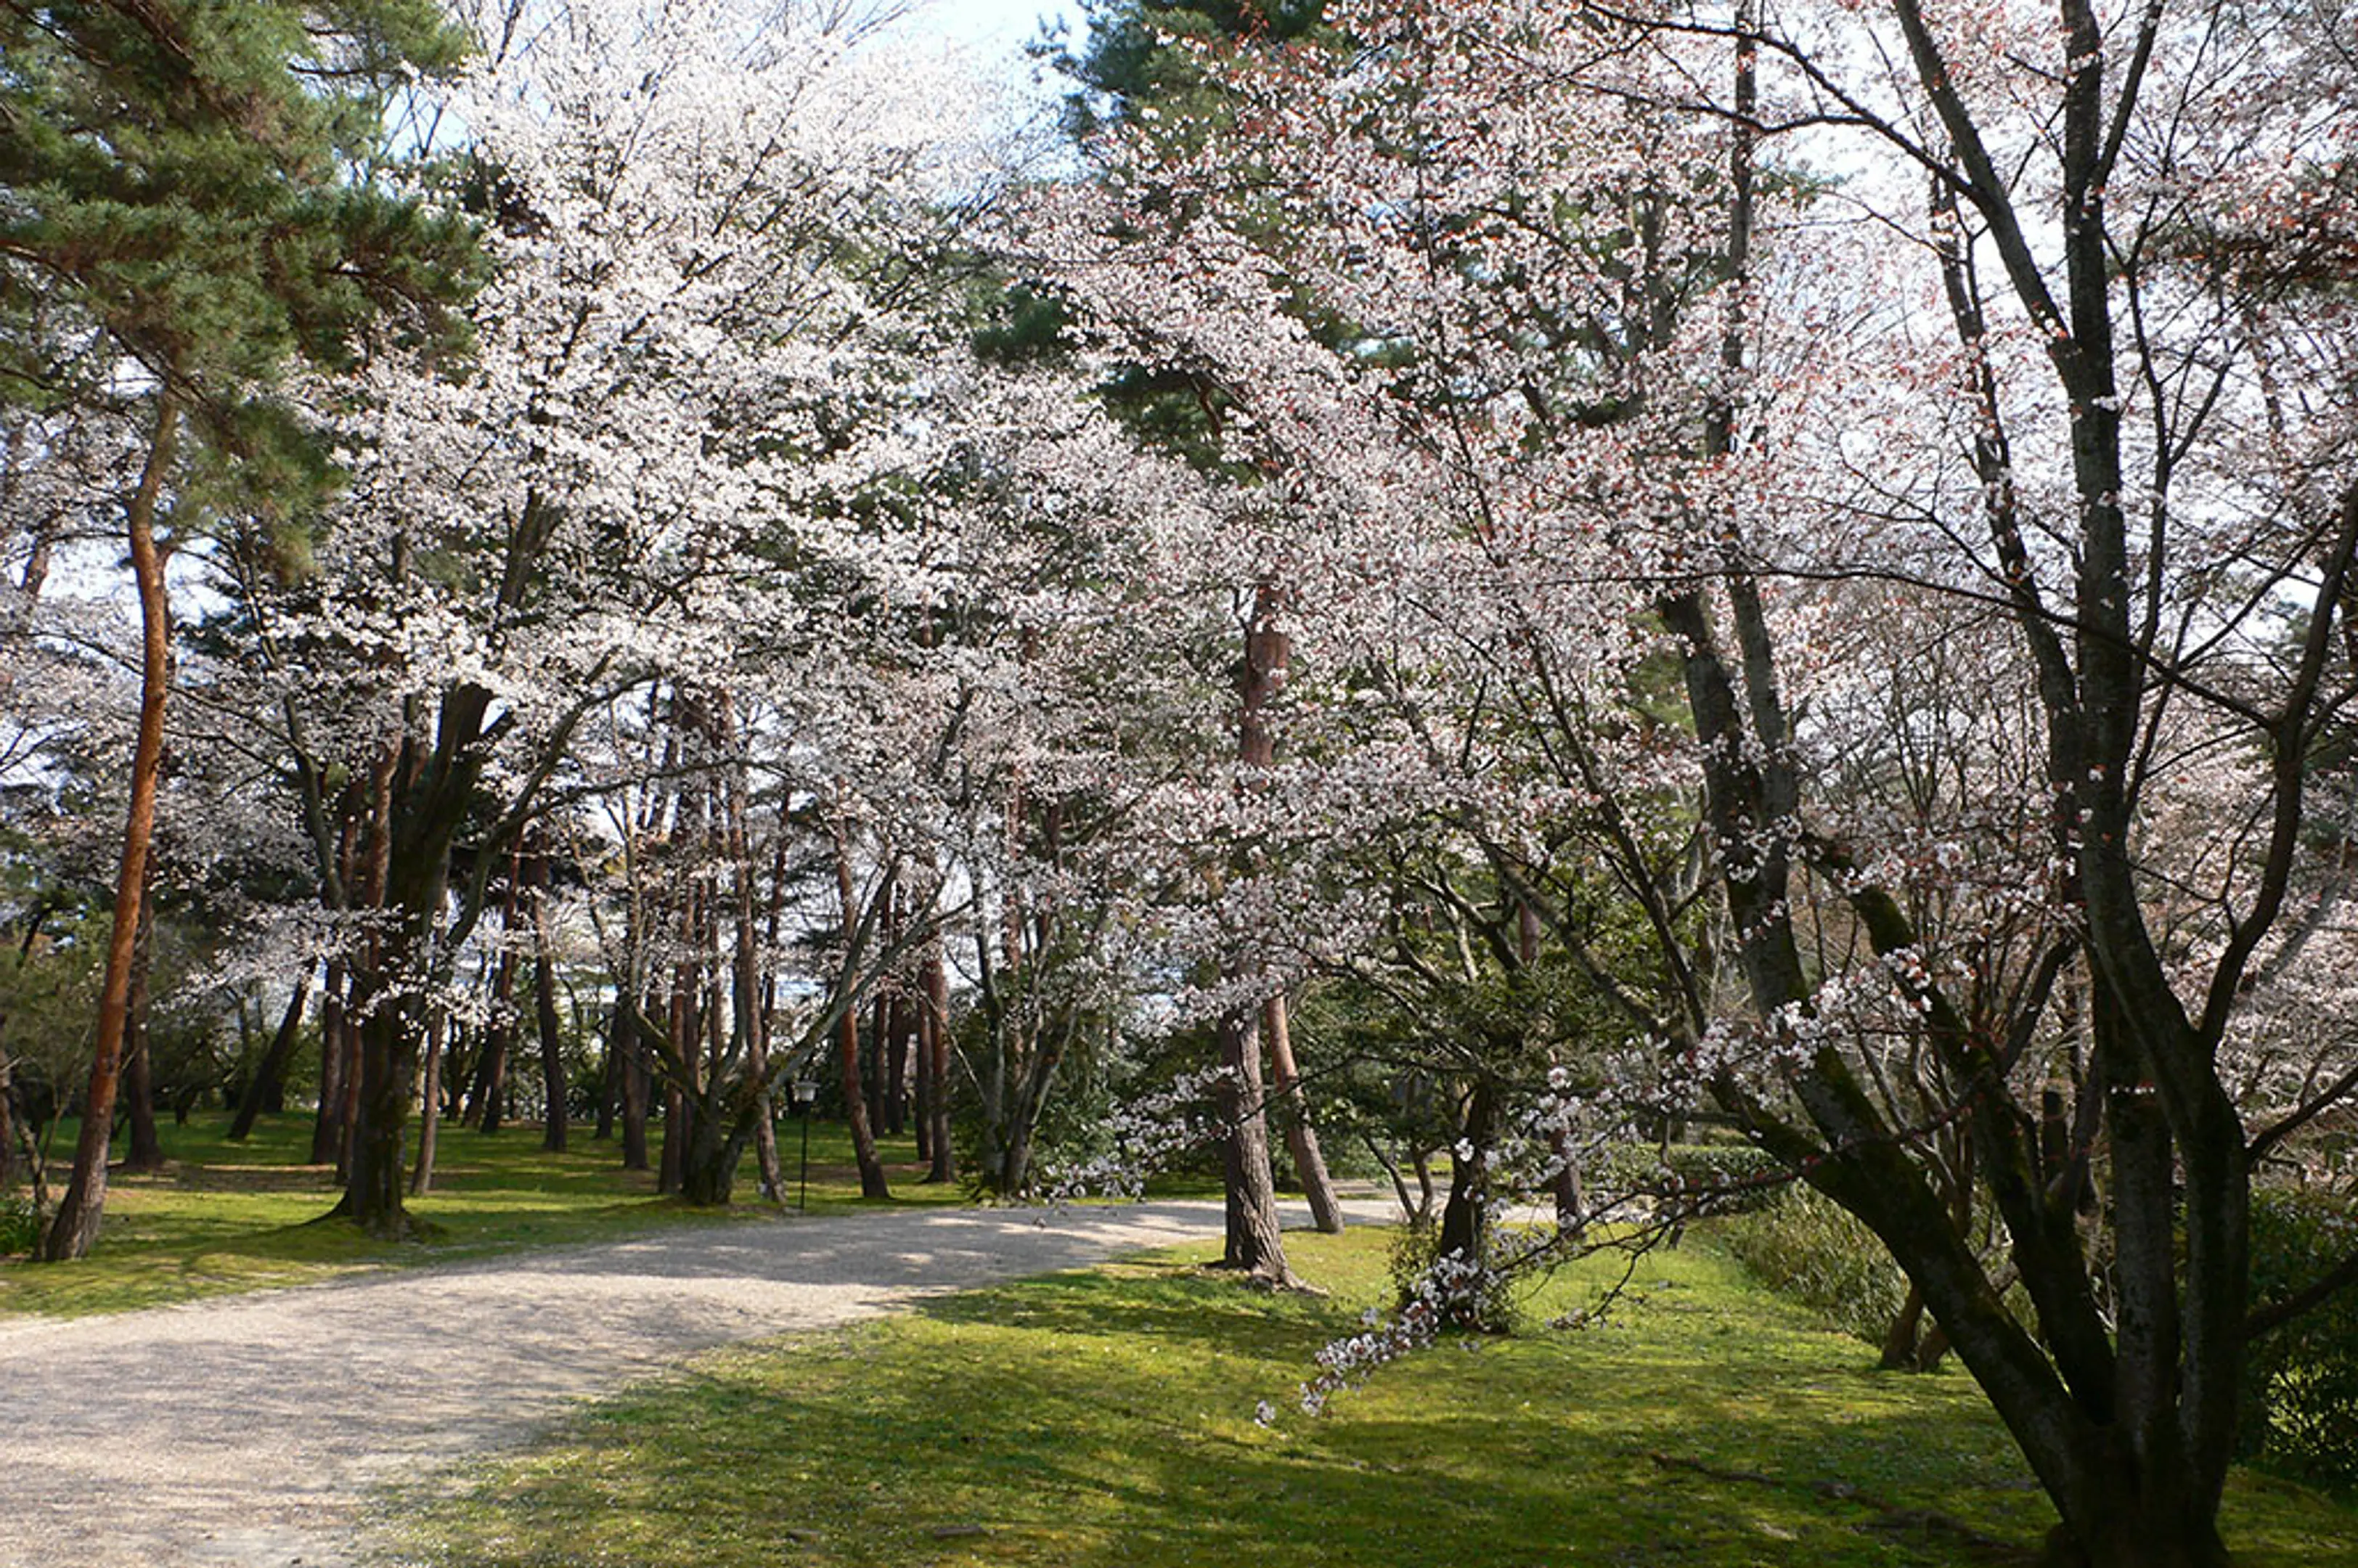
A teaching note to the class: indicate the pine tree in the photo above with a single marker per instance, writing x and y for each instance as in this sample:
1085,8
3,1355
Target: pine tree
192,181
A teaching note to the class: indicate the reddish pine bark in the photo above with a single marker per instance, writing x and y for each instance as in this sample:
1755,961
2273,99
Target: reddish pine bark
75,1226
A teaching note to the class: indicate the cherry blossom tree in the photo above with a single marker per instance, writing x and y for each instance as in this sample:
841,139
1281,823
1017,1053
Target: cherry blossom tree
701,448
1616,408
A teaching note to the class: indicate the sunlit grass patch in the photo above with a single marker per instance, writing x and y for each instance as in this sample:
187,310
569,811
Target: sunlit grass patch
1108,1418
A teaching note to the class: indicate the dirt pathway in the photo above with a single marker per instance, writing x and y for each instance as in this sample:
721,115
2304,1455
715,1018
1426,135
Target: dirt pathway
246,1433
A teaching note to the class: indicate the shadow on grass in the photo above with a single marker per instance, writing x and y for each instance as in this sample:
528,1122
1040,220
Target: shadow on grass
1108,1421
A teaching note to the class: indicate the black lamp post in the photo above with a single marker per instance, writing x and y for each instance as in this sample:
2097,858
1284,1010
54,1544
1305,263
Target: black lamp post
806,1096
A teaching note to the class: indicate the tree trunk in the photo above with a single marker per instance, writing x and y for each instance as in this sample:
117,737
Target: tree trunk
553,1078
74,1228
2128,1530
864,1139
491,1078
268,1077
407,881
7,1117
347,1115
1412,1211
1255,1242
1900,1339
901,1020
745,988
486,1099
1293,1115
636,1082
872,1059
708,1164
427,789
328,1123
679,1101
368,987
1465,1216
555,1082
375,1188
673,1159
921,1088
935,1030
847,1033
1571,1201
146,1151
610,1075
429,1107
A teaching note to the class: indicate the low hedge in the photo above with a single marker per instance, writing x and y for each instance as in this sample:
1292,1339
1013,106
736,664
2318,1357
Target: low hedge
1804,1245
2300,1383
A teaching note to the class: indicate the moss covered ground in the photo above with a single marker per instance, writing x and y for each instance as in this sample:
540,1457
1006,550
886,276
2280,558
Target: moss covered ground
1109,1418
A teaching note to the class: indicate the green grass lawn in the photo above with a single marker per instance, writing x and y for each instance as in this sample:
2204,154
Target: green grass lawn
1108,1418
226,1217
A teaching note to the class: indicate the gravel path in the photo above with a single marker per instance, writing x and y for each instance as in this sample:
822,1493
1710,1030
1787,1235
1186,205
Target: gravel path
230,1433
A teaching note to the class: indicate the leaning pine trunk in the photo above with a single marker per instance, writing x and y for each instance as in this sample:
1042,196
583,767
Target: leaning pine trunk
75,1226
1300,1136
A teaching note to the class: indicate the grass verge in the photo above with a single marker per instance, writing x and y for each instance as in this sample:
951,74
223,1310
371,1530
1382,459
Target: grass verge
223,1217
1108,1418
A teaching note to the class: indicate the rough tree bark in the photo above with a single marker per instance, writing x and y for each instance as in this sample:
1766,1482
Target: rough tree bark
1254,1240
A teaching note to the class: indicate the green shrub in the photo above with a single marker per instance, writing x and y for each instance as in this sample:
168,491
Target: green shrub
20,1225
1803,1245
2300,1399
1415,1249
